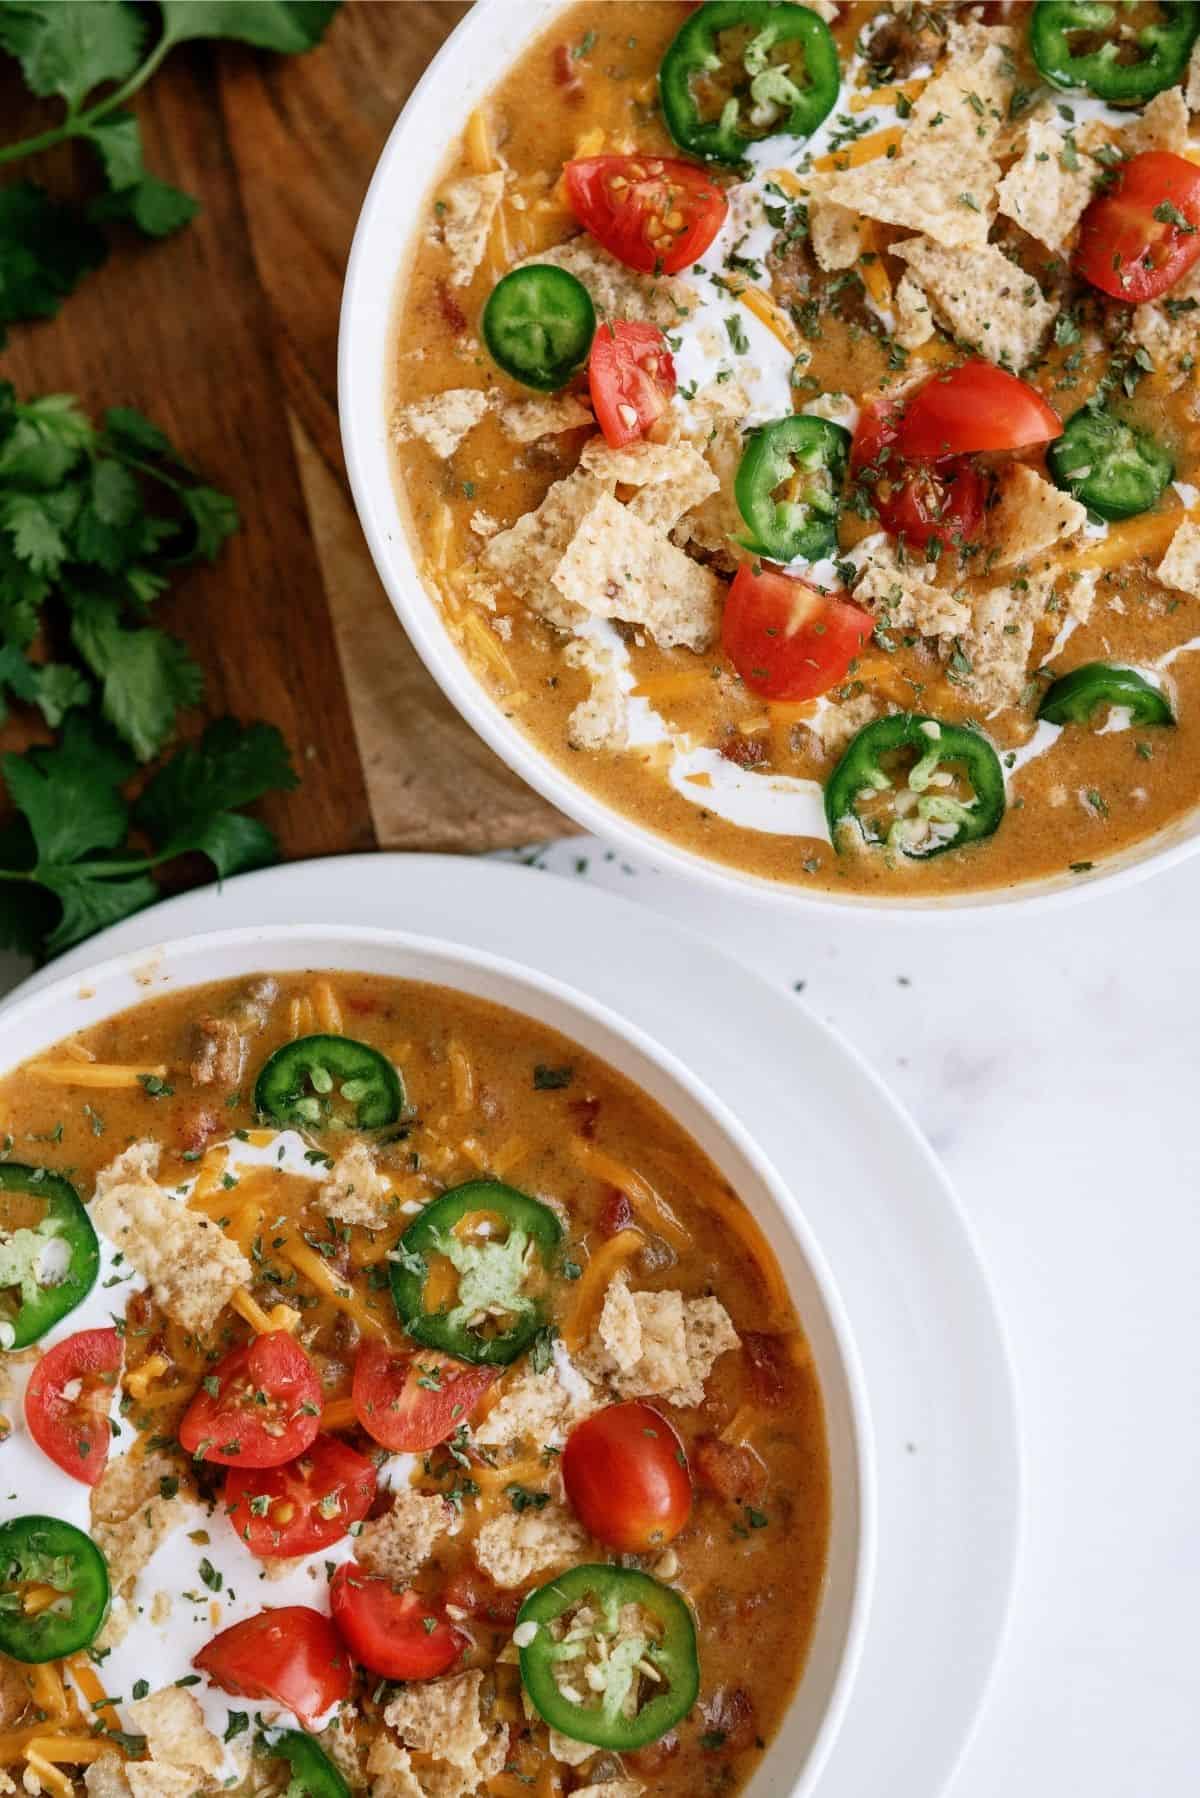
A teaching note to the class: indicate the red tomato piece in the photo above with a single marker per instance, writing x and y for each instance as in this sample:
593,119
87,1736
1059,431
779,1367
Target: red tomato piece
411,1402
975,406
731,1470
259,1407
626,1475
917,500
786,639
296,1510
399,1634
74,1430
653,213
1138,237
631,376
293,1655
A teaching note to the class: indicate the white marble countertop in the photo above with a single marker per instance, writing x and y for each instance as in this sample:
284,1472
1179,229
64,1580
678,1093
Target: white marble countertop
1053,1064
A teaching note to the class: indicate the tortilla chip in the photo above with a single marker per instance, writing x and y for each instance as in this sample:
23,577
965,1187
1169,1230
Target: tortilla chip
443,420
1030,516
470,206
836,234
1041,193
982,298
1180,567
900,593
914,316
525,555
617,291
1162,125
527,420
672,478
618,567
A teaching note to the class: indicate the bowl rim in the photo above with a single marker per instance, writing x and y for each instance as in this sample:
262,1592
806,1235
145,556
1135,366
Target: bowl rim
46,1012
365,324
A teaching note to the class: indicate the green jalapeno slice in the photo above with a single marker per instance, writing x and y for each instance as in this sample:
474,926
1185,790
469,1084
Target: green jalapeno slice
741,70
1075,698
313,1773
44,1551
1113,468
497,1309
923,812
538,325
576,1632
1094,44
322,1082
788,487
49,1256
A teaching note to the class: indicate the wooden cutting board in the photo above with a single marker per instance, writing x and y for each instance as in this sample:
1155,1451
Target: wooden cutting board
226,334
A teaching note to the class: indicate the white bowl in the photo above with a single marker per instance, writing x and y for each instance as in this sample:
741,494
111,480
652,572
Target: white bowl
470,63
792,1764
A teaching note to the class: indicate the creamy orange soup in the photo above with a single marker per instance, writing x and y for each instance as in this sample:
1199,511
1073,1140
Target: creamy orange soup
854,268
309,1519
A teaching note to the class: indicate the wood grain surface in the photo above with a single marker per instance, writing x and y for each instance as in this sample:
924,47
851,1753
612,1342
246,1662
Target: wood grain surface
226,334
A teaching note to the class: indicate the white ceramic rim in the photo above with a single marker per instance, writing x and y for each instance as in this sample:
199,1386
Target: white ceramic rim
468,65
90,994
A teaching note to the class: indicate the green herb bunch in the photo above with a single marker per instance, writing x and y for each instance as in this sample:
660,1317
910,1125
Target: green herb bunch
73,50
94,522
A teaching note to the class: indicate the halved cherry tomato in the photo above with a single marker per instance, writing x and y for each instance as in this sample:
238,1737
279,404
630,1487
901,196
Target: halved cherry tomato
626,1475
399,1634
918,500
975,406
74,1430
259,1407
293,1655
413,1402
653,213
632,377
1137,238
296,1510
786,639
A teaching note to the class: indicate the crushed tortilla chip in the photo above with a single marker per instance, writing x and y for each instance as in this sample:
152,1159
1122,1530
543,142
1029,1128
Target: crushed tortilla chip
1180,567
671,478
900,593
1030,515
1041,193
1162,125
617,567
982,298
914,317
442,420
527,420
617,291
525,555
836,234
470,206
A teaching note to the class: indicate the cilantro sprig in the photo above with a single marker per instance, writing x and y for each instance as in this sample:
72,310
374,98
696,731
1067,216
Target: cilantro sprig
93,524
67,864
73,51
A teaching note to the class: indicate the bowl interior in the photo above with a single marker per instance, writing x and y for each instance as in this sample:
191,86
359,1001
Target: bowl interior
476,55
78,1001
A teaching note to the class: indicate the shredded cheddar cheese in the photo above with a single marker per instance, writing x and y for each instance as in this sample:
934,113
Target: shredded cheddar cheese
866,149
329,1012
112,1076
641,1195
596,1278
1147,536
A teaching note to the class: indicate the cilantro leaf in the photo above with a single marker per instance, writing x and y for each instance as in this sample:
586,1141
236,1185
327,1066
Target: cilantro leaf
154,206
215,517
68,47
59,877
132,433
42,440
54,687
45,250
145,675
118,140
289,26
191,802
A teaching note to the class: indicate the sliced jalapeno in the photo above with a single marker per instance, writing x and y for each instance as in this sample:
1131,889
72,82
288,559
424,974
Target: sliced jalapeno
538,325
741,70
49,1256
498,1275
788,487
1096,45
317,1080
578,1636
313,1773
1075,698
1116,470
40,1552
924,813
